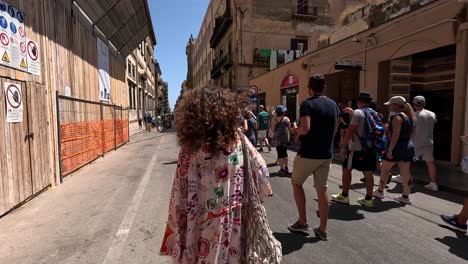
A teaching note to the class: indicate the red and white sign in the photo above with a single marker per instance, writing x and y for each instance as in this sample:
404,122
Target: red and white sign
21,31
290,81
4,39
33,51
14,102
34,64
23,47
254,89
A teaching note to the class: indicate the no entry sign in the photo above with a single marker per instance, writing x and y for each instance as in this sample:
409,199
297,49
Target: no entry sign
14,102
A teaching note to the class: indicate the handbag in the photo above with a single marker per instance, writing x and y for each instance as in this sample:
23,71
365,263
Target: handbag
260,247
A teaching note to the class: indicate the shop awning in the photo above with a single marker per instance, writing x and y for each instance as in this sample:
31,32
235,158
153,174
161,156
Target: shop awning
124,23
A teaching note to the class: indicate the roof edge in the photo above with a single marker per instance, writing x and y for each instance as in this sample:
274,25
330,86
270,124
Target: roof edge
150,24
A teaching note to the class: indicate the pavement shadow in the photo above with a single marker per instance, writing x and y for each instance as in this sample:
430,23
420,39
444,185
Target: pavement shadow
354,186
344,212
280,175
133,142
458,245
292,242
170,163
271,165
419,188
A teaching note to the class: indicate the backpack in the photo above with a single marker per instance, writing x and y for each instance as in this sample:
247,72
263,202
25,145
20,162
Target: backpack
373,138
281,136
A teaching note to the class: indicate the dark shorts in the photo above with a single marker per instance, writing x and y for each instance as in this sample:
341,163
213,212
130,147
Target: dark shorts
361,161
402,153
282,152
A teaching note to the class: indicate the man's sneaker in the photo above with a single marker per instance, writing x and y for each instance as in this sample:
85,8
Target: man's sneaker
378,194
320,235
297,227
339,198
432,187
452,220
397,179
366,203
260,150
402,199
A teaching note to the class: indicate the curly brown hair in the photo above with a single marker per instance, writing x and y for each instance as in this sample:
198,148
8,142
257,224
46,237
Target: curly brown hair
207,117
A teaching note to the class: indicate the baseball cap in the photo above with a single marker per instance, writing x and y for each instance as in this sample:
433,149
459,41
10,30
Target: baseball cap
397,100
280,109
419,100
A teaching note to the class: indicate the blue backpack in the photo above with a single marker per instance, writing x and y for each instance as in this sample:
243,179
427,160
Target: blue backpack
373,138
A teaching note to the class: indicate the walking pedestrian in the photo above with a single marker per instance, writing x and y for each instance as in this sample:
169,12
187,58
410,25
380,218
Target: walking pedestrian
281,125
158,123
263,124
423,139
145,118
208,218
249,127
149,122
400,149
458,220
358,155
318,124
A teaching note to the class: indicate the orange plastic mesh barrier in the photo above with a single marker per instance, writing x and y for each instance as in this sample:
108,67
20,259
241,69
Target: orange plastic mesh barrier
82,142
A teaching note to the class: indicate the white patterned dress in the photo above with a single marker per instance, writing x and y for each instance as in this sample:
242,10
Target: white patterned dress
204,224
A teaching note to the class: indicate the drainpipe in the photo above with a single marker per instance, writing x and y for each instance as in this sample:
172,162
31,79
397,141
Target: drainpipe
462,86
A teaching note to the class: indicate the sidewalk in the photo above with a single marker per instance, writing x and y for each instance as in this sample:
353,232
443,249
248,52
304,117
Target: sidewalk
450,178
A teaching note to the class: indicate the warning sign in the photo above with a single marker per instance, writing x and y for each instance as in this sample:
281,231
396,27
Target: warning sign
14,103
5,57
34,64
12,37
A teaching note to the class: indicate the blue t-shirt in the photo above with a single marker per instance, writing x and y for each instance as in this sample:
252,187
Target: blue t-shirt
323,113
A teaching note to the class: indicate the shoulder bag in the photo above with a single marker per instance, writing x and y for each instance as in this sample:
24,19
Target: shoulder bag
260,247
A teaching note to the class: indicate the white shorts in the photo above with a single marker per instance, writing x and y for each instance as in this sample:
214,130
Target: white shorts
261,134
425,153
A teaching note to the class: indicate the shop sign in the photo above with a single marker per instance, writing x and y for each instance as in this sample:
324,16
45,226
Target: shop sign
348,65
290,81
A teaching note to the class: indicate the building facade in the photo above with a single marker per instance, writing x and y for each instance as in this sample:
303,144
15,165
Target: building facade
242,39
391,49
142,81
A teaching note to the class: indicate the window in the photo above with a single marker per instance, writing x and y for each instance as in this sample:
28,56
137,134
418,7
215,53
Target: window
129,68
130,95
298,43
304,8
133,71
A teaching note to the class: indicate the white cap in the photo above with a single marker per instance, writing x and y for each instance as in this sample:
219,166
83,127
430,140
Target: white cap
397,100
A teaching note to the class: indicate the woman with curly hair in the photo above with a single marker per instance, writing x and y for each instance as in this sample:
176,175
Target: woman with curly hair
205,223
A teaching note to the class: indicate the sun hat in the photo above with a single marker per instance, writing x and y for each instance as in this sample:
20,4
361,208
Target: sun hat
397,100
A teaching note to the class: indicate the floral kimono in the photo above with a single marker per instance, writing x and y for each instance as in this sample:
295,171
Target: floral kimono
204,223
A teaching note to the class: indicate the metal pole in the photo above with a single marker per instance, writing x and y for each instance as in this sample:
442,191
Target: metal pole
58,135
115,127
102,130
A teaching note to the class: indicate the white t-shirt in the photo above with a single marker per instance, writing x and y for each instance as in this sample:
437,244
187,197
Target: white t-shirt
424,128
357,119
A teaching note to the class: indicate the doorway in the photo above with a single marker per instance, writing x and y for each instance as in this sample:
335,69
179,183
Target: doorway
290,98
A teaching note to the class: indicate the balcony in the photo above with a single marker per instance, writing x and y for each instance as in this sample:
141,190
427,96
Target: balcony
221,66
261,60
221,26
304,11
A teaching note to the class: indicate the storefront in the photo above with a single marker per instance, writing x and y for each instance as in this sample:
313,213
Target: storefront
427,56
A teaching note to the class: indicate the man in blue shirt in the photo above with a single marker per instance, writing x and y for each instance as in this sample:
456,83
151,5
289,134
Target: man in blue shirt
319,120
263,124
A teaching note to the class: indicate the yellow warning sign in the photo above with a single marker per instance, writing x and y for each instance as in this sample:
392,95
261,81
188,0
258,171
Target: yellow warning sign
5,57
23,63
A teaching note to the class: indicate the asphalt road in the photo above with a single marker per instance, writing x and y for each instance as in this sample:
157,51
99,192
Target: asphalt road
114,211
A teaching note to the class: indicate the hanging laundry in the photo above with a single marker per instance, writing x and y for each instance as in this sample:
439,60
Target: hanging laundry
273,59
289,56
299,54
266,53
282,56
